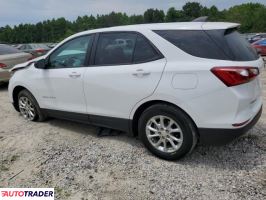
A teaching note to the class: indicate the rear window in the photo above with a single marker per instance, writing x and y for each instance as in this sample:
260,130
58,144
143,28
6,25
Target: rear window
5,49
212,44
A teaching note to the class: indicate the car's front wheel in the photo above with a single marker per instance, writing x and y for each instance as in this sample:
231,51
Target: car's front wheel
29,107
167,131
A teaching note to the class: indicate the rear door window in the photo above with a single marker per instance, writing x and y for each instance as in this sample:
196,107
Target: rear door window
115,48
212,44
118,48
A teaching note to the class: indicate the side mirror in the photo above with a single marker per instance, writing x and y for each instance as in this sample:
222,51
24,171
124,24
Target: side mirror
41,64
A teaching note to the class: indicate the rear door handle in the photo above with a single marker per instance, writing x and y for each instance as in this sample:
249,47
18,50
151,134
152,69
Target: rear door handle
141,73
74,75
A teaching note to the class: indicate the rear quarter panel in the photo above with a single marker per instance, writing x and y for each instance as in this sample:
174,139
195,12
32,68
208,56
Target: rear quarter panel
200,93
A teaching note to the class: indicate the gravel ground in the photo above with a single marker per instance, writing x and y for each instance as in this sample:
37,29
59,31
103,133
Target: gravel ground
79,165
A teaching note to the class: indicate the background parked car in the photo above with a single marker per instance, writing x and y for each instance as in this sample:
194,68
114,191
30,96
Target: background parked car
257,37
51,45
260,46
35,49
10,56
16,45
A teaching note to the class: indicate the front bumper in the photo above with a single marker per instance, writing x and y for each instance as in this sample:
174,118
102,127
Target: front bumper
4,76
211,136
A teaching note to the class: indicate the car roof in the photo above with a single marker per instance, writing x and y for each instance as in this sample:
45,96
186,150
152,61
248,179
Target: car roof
167,26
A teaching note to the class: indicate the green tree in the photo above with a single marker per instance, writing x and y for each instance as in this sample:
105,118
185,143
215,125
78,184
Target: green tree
251,16
136,19
192,10
154,16
174,15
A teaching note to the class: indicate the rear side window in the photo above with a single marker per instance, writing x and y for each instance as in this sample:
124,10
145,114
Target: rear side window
124,48
144,51
5,49
213,44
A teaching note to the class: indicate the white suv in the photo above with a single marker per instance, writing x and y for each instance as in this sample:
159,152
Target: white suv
172,84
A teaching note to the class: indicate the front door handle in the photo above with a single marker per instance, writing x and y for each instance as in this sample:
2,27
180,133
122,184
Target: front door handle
74,75
141,73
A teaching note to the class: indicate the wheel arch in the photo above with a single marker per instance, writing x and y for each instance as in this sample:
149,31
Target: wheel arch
144,106
15,93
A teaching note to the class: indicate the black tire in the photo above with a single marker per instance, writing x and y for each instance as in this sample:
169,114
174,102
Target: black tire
40,116
187,126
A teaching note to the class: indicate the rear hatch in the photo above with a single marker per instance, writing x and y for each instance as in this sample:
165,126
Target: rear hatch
222,45
235,48
244,58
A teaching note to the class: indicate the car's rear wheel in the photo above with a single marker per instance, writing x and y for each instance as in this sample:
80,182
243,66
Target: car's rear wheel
29,107
167,131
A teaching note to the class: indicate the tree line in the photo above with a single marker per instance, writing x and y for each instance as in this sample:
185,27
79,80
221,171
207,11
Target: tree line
251,16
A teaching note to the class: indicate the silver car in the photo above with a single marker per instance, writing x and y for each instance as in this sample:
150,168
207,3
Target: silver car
35,49
9,57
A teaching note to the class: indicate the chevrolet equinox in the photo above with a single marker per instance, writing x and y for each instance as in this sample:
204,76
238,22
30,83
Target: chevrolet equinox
170,84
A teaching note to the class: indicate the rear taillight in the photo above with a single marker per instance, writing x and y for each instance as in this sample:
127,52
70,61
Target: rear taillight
2,65
232,76
40,51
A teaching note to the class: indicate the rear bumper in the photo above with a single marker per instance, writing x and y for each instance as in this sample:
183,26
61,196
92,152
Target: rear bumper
211,136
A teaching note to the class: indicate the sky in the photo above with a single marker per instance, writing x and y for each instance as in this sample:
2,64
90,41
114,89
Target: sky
13,12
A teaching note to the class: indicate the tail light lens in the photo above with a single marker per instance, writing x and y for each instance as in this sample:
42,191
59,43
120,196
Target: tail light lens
40,51
232,76
2,65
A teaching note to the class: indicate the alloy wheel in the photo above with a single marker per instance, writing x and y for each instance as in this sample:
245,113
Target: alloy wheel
164,134
27,108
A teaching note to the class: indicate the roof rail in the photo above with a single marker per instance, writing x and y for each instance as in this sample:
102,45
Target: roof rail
201,19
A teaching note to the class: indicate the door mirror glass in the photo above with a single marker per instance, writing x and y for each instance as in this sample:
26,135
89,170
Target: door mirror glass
41,64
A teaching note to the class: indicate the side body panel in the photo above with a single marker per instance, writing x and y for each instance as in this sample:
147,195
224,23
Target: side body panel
114,90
